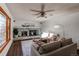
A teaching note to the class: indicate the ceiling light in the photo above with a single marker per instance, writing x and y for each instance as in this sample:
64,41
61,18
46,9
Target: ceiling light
57,26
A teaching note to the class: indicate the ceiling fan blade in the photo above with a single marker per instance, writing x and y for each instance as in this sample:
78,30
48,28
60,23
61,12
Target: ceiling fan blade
49,10
42,6
37,13
45,16
35,10
38,16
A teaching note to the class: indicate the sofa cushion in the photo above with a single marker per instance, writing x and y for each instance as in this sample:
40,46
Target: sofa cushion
62,38
66,42
35,40
44,40
54,38
49,47
36,46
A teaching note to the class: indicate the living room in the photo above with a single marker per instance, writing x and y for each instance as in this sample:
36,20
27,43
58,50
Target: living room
41,23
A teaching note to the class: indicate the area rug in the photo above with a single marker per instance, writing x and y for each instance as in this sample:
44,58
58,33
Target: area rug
26,47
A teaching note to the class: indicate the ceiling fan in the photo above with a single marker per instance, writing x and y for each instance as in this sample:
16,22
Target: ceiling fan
42,12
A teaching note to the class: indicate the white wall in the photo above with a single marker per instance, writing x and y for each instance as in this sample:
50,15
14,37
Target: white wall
18,23
4,52
70,22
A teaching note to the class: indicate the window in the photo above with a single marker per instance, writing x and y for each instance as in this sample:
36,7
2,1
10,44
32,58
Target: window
49,35
44,35
2,29
5,25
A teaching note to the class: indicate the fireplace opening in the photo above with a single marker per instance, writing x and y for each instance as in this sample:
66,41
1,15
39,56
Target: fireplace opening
24,33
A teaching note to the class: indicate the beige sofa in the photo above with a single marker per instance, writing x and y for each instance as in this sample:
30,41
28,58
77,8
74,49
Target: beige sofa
68,48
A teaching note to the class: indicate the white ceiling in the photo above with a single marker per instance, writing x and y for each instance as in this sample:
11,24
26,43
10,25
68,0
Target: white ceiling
21,11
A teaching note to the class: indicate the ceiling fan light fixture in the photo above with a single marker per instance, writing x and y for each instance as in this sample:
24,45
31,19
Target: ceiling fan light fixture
42,12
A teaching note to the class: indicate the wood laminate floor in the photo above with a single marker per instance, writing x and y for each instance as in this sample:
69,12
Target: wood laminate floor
15,49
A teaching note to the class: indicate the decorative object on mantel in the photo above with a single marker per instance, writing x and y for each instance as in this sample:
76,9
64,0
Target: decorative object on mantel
28,25
42,12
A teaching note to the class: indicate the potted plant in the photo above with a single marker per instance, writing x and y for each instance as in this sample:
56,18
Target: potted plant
15,32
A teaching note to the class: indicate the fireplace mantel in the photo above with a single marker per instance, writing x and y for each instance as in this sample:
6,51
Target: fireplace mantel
28,35
26,38
28,27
